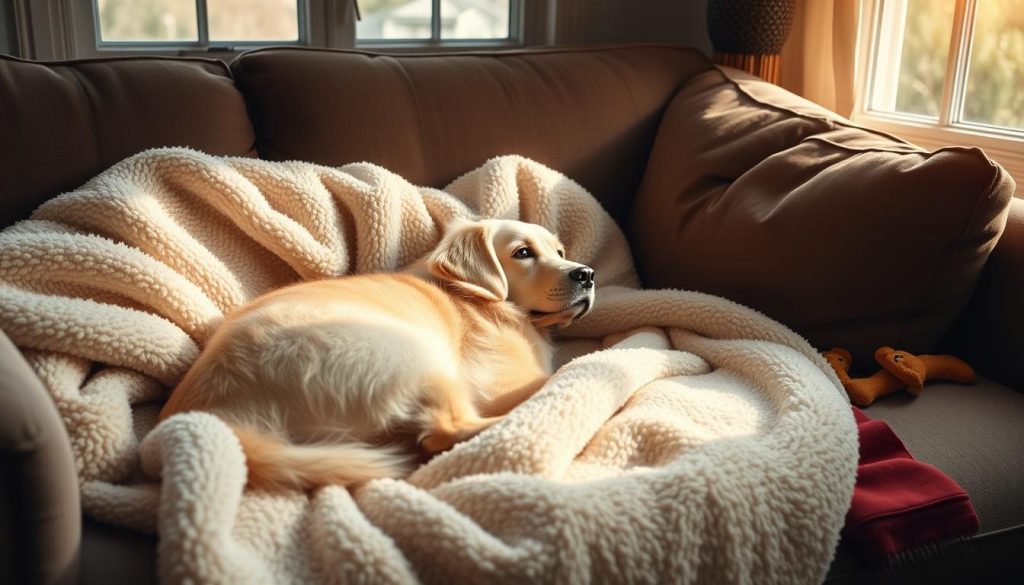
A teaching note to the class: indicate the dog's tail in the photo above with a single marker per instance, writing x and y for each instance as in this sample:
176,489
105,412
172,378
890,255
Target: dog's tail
276,464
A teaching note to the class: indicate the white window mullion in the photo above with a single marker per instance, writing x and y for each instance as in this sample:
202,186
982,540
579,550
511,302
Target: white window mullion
964,65
302,10
435,21
202,24
515,20
332,23
888,54
951,101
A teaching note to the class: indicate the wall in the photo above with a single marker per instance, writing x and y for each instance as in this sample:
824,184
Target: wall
634,21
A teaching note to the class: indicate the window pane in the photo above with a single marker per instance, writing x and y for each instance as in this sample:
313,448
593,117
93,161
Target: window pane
147,20
253,20
474,19
394,19
910,67
995,78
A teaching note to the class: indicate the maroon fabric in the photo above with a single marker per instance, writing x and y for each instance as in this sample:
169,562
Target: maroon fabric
899,503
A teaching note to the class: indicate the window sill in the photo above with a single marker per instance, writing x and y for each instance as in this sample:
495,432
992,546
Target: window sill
1008,151
428,46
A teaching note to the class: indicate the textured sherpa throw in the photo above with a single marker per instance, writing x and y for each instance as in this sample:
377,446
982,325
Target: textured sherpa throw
690,440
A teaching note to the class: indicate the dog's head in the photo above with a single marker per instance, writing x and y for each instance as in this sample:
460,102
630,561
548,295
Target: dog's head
523,263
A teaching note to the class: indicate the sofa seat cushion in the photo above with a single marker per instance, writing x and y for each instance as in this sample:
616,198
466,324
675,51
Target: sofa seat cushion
39,503
111,554
975,435
851,237
591,113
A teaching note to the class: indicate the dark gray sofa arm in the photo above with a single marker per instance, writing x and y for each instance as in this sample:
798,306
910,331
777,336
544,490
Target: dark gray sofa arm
40,517
990,332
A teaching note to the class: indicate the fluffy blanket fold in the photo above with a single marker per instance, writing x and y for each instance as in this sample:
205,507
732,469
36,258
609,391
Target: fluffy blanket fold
687,439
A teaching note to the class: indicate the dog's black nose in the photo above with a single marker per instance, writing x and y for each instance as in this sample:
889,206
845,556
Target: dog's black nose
583,275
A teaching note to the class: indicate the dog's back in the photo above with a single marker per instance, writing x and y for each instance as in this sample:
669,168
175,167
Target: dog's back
338,363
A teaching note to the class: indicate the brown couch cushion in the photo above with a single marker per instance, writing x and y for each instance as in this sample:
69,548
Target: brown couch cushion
111,554
989,333
975,435
39,505
66,121
851,237
591,114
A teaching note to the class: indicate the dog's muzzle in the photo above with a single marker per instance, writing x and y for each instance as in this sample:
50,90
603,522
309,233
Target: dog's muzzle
583,277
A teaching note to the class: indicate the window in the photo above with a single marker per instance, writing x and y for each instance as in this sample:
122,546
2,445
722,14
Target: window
437,22
197,24
944,72
77,29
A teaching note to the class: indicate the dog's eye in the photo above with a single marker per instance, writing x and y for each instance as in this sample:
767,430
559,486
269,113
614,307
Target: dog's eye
561,253
523,253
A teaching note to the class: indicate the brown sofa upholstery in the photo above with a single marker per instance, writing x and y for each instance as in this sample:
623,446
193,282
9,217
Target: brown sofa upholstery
721,181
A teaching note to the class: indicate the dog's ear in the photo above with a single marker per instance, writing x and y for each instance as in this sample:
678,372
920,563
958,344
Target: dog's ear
466,258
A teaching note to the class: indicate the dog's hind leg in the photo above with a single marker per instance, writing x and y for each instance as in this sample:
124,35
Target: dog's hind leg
451,418
502,403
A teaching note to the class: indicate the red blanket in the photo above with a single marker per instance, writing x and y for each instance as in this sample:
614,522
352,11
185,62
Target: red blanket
899,503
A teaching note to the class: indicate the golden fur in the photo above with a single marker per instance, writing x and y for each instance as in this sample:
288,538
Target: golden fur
336,381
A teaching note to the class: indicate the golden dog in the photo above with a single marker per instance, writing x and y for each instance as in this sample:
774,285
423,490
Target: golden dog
334,381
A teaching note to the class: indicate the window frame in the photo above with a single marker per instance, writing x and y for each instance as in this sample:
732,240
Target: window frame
53,30
516,35
87,43
202,43
1005,146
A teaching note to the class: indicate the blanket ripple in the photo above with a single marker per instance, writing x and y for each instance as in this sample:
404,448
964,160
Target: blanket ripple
686,439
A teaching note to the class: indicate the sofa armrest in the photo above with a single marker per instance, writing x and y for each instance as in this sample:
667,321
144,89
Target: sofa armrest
40,516
990,332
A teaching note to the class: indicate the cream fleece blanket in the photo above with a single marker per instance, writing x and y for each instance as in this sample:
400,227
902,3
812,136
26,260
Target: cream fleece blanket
707,444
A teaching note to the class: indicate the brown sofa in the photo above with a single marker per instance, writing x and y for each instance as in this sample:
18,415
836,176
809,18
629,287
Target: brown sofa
723,183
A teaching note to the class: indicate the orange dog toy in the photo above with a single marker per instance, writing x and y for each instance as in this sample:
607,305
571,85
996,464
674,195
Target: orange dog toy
900,369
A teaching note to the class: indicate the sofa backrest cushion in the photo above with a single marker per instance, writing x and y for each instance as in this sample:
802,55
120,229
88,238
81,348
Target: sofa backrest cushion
61,123
852,237
589,113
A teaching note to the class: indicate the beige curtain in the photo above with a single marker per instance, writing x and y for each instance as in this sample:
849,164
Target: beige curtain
819,58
